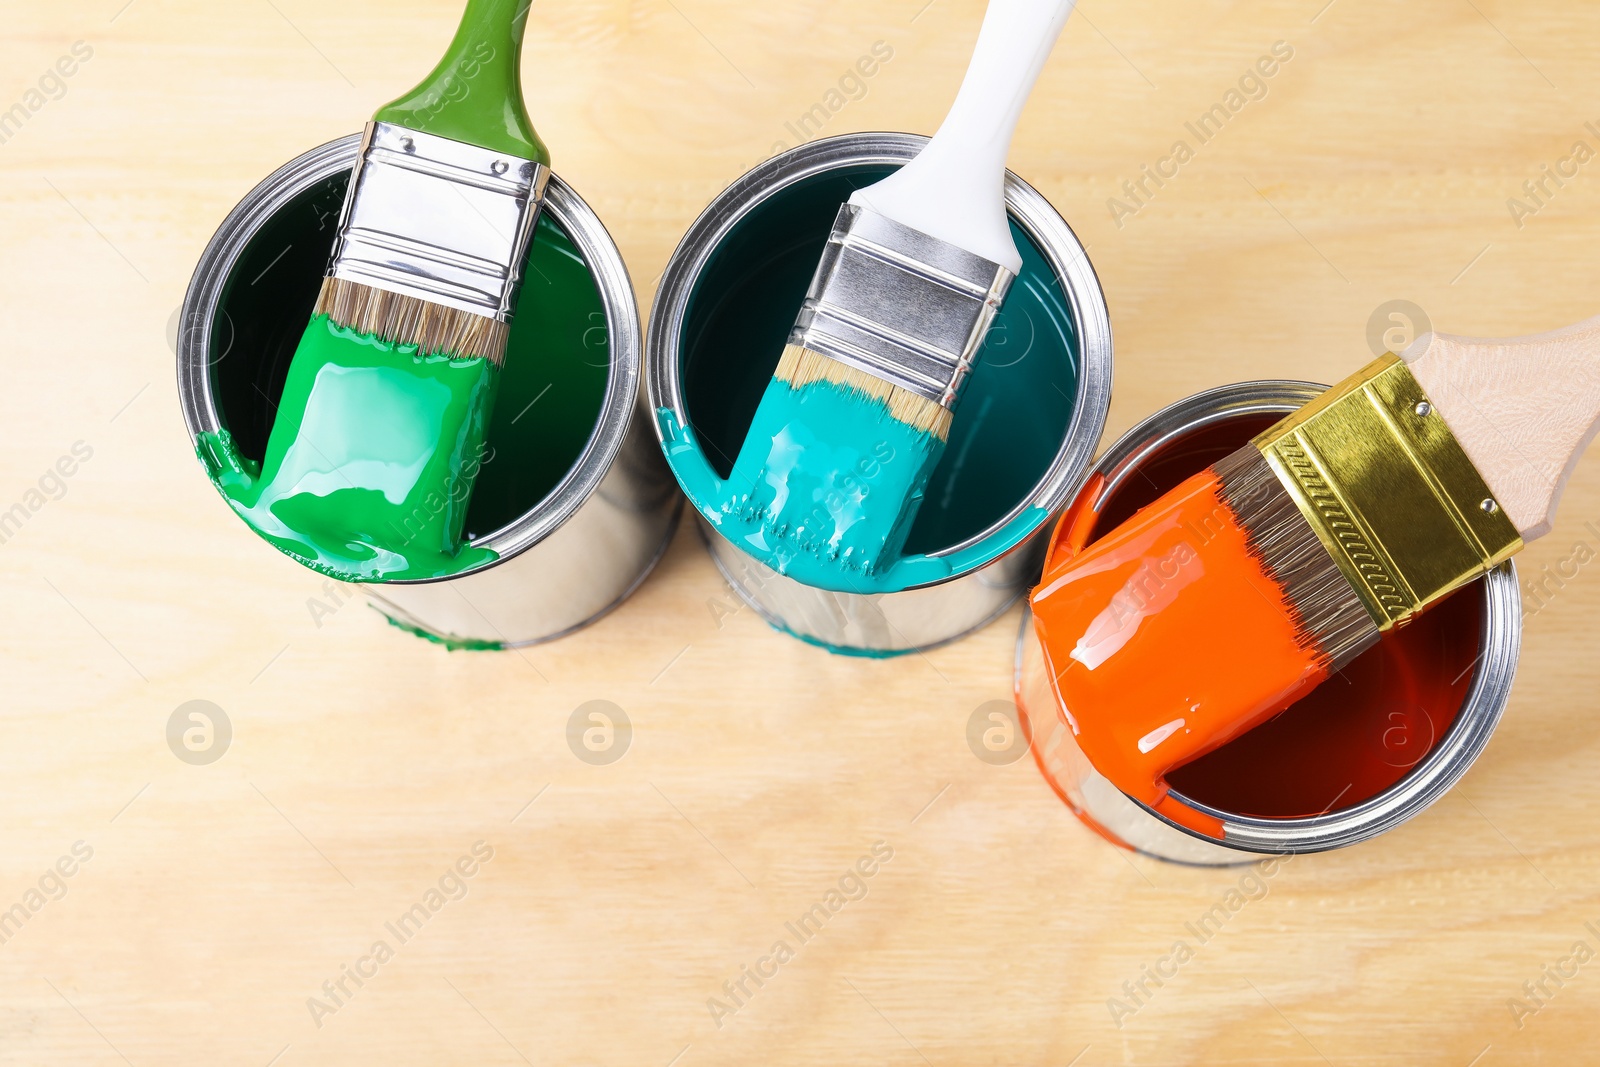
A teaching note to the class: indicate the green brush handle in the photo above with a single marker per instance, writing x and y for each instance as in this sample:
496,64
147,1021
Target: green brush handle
475,93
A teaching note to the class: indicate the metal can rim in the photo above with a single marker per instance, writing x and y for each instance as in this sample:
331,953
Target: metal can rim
1483,705
1028,207
582,226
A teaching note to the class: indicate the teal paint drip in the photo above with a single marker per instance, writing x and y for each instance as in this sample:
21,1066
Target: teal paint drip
1019,404
818,466
718,500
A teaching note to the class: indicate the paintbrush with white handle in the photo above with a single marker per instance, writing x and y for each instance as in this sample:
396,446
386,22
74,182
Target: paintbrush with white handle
859,409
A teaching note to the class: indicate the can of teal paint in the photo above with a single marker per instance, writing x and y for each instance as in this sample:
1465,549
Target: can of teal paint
1025,434
572,495
1366,751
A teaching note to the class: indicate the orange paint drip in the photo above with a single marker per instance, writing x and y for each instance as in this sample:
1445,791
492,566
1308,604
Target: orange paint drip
1165,639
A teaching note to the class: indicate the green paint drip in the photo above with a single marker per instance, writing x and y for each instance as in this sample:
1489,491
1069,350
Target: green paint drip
548,394
717,500
450,644
827,480
371,460
475,93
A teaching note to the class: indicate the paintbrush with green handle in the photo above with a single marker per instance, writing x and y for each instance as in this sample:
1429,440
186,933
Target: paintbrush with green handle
856,417
381,428
443,200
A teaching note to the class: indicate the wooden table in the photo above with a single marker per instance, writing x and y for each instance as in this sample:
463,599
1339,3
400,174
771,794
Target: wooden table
1375,166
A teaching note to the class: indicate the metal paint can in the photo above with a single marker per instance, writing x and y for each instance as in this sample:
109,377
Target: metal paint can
578,505
1365,752
1028,428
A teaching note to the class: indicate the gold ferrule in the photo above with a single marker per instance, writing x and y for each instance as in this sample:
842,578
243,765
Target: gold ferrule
1389,491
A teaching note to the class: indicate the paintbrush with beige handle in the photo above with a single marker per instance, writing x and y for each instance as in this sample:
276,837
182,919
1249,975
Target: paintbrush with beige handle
1523,410
1234,595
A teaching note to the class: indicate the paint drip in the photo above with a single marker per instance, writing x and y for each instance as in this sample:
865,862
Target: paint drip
1166,638
719,501
371,461
805,486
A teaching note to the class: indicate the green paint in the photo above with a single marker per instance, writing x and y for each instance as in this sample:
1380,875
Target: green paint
369,468
547,403
827,482
1013,417
475,93
371,461
552,386
451,644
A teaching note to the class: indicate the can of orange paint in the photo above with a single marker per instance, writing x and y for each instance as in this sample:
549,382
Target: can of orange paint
1369,749
572,495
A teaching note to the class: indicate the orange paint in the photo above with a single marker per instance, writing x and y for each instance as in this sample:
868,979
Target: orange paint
1358,733
1349,739
1165,639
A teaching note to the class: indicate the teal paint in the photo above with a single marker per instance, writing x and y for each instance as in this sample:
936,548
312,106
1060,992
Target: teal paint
827,483
1016,411
710,495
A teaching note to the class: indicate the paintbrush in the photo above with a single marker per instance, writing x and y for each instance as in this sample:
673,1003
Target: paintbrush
384,413
1225,601
443,200
859,409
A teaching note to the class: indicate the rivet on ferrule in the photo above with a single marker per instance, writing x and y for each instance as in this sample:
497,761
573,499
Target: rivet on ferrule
1394,499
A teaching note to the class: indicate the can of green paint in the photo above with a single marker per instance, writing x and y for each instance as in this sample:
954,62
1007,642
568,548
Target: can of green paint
572,495
1366,751
1026,432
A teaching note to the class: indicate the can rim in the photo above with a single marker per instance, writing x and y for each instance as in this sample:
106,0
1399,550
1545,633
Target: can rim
581,225
1027,206
1500,641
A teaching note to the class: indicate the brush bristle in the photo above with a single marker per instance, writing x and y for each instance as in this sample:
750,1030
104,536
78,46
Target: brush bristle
1331,615
800,366
405,320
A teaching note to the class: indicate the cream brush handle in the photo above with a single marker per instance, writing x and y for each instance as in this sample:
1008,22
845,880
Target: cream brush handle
1524,409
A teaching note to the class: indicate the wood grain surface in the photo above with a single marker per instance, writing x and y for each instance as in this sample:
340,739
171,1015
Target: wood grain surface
1401,152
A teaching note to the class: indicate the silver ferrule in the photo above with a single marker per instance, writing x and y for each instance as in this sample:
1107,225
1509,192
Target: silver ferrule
900,305
438,220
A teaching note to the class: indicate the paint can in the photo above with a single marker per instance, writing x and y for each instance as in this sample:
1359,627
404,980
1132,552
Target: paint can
575,502
1025,435
1366,751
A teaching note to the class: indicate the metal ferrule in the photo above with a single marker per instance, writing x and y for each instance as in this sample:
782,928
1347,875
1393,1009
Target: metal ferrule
900,305
1389,491
438,220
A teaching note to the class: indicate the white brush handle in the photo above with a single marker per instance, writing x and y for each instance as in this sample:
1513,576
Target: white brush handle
955,188
1524,410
